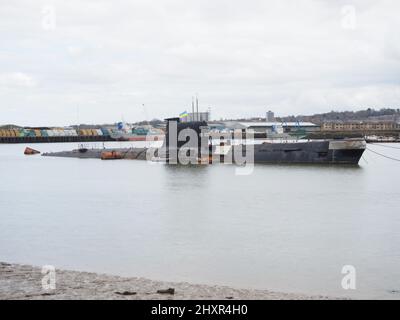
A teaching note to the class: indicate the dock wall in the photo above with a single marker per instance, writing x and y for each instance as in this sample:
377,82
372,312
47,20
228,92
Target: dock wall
54,139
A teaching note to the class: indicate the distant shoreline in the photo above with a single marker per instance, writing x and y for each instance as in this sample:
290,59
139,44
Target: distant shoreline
25,282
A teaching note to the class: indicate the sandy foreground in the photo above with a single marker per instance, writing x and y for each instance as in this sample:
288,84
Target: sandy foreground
25,282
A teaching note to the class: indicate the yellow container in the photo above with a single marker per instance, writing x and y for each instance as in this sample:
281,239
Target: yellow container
94,132
38,133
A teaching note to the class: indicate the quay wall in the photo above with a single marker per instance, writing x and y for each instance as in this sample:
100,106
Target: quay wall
55,139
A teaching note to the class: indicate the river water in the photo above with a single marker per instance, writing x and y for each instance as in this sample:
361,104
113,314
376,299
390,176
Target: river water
287,228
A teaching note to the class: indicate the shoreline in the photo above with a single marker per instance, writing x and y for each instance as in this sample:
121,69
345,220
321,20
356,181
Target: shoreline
25,282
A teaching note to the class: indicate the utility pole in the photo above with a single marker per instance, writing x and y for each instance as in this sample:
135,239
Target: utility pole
193,118
197,108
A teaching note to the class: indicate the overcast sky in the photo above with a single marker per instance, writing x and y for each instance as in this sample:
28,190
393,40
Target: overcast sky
108,58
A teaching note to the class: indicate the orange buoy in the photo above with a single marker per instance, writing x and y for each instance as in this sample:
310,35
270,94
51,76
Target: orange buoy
111,155
30,151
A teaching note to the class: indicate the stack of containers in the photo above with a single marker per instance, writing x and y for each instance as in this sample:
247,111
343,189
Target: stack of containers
105,131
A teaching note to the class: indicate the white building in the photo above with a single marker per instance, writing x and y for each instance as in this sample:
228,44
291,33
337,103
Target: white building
269,127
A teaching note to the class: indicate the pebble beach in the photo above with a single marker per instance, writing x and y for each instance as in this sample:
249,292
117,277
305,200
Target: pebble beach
25,282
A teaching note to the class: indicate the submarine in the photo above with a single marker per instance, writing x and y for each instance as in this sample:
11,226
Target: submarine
344,151
194,137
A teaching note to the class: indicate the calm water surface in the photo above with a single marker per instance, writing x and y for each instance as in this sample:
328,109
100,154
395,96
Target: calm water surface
285,228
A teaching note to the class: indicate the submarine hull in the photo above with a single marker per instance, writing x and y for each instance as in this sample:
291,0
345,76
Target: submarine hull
324,152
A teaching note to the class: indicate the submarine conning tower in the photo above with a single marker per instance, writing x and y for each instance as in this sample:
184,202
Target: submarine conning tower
172,140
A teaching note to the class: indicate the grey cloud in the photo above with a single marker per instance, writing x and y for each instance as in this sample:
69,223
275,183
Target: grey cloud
242,57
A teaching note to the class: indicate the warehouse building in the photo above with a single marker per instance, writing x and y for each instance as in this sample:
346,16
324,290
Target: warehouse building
360,126
271,127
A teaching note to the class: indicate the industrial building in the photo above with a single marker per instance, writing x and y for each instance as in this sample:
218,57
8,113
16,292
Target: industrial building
360,126
270,127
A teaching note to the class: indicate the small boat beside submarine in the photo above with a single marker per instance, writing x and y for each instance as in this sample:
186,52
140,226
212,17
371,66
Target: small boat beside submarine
29,151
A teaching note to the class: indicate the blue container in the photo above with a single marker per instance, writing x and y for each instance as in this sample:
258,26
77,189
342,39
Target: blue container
105,131
30,133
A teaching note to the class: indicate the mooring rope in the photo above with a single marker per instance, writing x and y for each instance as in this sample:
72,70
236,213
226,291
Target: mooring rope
382,155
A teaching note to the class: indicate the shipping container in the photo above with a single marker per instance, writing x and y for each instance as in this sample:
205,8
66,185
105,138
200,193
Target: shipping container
29,133
20,133
73,133
105,132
